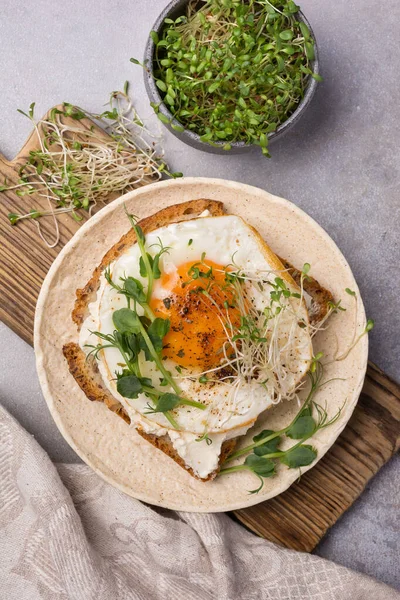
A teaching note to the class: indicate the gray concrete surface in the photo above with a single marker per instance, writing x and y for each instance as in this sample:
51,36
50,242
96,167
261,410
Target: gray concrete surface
340,164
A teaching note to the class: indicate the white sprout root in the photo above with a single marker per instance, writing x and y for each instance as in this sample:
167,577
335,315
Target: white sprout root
269,349
267,346
80,167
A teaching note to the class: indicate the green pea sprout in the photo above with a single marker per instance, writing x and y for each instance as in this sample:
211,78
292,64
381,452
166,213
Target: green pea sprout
233,71
78,166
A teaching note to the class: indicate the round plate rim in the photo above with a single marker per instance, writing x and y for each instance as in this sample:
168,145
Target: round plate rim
253,499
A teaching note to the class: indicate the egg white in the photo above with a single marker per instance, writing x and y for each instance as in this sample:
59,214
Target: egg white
228,411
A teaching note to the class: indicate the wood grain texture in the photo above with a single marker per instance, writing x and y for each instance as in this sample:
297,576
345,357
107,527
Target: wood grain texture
296,519
301,516
24,259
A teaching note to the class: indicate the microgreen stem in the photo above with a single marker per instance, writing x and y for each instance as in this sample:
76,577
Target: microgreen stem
145,258
171,419
227,470
166,374
233,71
158,361
315,383
248,449
78,168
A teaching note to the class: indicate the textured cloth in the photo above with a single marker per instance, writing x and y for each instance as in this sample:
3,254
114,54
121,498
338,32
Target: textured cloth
67,535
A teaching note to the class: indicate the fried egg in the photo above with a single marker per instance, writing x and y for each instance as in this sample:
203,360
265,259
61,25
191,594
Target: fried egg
235,380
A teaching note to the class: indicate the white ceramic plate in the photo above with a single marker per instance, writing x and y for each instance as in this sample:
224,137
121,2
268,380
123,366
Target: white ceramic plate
102,439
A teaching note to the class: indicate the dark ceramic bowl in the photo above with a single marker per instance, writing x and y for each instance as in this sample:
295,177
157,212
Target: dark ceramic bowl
175,9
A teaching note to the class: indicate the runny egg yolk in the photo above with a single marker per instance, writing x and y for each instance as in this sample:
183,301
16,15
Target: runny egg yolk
197,335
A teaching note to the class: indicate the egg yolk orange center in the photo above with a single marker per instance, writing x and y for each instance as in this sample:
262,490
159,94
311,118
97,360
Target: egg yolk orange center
197,335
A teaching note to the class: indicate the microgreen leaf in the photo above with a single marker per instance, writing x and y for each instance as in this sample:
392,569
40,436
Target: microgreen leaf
23,113
317,77
260,465
299,456
134,289
138,230
310,50
13,218
167,402
269,447
133,345
72,111
156,332
159,327
370,325
129,386
304,30
306,411
163,118
302,428
287,34
142,265
156,267
350,292
126,321
154,36
161,85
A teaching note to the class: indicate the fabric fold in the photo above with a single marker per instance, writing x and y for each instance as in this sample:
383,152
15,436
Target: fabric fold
65,534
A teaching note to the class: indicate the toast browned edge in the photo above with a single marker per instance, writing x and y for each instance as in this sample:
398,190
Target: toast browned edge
85,371
163,443
320,297
171,214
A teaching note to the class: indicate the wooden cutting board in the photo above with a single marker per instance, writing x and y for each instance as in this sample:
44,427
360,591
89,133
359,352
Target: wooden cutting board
300,517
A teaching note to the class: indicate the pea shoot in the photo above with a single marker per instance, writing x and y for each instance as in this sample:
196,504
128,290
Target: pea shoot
233,71
205,437
264,451
369,325
135,333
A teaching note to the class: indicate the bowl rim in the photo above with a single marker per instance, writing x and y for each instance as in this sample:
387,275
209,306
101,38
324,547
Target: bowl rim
154,94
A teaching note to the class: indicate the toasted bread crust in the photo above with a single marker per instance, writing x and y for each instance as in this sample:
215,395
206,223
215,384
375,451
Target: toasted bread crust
166,216
85,370
320,297
86,374
164,444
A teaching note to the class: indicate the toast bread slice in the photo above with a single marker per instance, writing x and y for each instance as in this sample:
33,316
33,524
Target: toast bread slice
163,443
320,297
85,371
172,214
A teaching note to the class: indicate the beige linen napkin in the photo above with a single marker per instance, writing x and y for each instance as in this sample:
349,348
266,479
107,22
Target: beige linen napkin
67,535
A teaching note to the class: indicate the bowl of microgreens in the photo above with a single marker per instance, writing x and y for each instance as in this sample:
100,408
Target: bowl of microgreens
225,76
